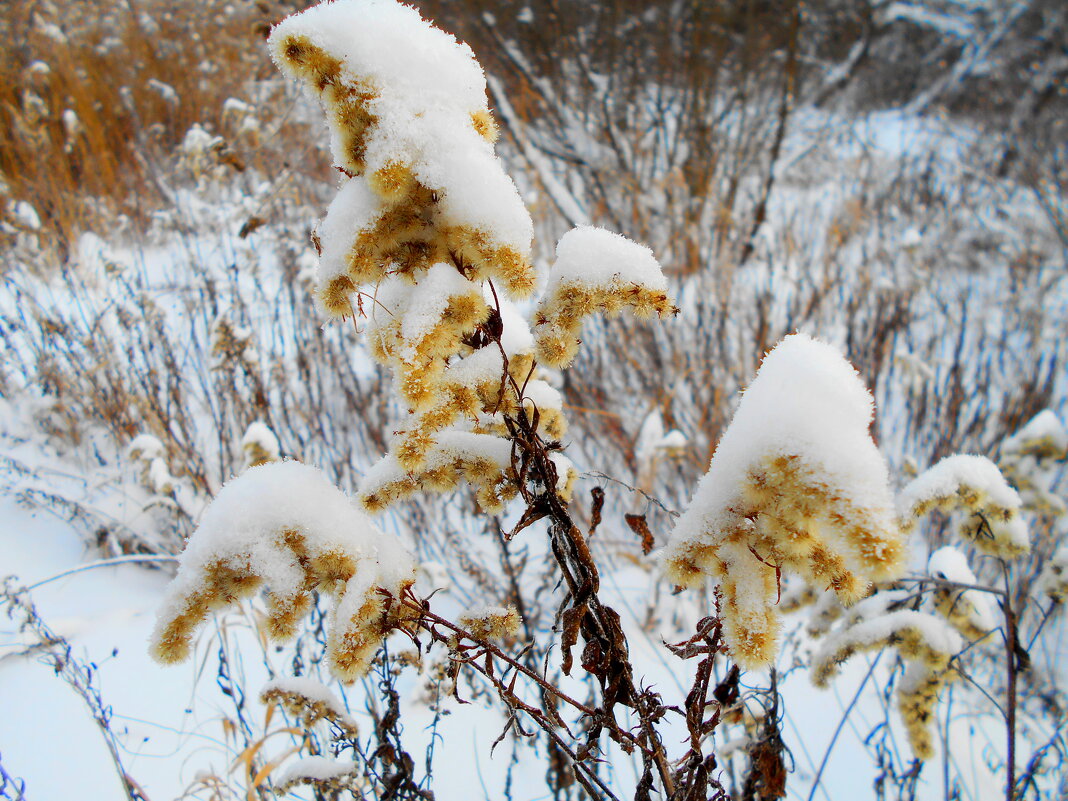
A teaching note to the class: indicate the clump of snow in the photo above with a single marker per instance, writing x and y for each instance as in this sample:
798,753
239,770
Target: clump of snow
566,475
795,482
160,479
916,635
150,455
596,258
960,473
1044,434
1030,459
284,524
145,447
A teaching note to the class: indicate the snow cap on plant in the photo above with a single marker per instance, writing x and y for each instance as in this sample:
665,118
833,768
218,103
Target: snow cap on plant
259,444
925,642
797,484
1029,459
968,611
917,636
284,525
492,622
595,271
407,109
972,484
310,701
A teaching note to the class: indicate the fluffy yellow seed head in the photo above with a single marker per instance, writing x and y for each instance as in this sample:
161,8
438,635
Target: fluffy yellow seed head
335,296
483,123
394,182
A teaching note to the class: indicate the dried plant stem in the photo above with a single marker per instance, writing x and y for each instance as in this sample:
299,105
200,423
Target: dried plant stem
428,621
1011,647
598,624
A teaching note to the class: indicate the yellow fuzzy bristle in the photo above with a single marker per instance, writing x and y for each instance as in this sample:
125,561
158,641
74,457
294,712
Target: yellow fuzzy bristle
332,566
555,349
466,311
335,296
373,502
419,384
488,500
393,182
485,125
412,449
443,478
516,271
297,52
285,614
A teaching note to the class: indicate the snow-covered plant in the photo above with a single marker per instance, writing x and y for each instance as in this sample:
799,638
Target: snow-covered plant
427,247
1028,458
492,622
284,525
595,271
310,701
325,774
926,644
968,611
259,444
150,456
429,239
1053,581
974,485
795,484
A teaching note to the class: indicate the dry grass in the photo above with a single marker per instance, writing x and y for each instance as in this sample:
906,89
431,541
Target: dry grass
97,96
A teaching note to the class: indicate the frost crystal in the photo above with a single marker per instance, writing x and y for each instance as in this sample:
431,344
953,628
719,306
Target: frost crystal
796,483
286,526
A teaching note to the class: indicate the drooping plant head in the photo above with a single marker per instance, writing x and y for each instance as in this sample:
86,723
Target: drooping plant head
285,526
796,484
